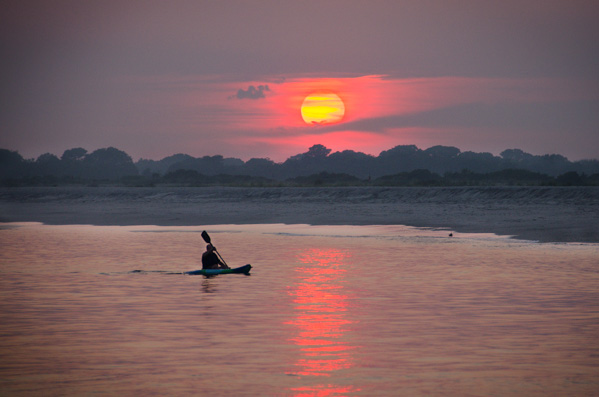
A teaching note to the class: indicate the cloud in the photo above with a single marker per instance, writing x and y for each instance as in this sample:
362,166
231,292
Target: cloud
252,92
558,115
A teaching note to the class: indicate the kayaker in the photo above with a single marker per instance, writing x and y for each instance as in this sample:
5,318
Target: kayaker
210,260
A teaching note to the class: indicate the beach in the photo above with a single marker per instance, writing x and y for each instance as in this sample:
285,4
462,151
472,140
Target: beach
544,214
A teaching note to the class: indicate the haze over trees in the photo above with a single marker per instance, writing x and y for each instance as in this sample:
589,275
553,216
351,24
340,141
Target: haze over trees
400,166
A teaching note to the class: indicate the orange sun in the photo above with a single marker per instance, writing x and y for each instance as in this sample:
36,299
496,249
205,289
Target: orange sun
322,108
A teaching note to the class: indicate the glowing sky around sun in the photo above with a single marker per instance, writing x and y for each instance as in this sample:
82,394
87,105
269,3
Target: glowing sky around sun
322,108
206,78
381,112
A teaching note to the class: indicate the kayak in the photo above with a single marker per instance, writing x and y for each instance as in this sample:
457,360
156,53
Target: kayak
212,272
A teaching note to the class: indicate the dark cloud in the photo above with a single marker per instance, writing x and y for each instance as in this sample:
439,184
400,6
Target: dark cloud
560,116
253,92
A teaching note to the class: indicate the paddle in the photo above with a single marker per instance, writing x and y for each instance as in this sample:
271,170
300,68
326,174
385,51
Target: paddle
206,238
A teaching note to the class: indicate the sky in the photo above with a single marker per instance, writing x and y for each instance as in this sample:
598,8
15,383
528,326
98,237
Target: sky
156,78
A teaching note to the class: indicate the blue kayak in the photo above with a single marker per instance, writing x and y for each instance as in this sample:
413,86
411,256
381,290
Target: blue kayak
213,272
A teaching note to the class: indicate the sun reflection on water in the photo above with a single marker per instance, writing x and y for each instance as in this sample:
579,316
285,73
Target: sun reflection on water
321,320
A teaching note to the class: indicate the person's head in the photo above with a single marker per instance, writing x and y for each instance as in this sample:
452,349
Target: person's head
209,247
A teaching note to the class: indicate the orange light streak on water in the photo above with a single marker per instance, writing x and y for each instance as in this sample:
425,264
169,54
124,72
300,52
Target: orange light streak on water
321,321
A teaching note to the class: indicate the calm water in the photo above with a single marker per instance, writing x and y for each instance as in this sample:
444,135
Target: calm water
327,311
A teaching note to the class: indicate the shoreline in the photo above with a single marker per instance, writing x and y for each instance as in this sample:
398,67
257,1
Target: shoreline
518,213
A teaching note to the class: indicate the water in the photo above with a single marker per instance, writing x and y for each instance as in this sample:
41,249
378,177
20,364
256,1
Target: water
326,311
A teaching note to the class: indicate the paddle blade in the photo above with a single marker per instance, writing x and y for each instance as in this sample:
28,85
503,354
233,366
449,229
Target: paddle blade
206,237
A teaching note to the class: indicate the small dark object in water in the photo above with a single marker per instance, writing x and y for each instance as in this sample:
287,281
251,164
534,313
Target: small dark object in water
450,234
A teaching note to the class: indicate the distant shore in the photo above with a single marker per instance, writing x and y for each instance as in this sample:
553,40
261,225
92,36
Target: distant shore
539,214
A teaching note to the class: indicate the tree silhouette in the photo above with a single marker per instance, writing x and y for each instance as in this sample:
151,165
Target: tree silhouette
109,163
12,164
317,152
399,164
76,154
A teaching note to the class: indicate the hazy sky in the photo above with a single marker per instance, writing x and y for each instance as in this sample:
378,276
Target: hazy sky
155,78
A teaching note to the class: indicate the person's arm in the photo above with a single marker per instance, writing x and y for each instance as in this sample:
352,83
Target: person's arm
221,264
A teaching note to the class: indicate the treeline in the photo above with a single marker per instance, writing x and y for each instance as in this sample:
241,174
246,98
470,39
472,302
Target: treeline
74,166
437,159
400,166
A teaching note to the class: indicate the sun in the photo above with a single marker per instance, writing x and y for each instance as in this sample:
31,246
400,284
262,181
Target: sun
323,108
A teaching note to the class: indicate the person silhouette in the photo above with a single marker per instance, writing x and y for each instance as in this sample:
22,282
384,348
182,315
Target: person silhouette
210,260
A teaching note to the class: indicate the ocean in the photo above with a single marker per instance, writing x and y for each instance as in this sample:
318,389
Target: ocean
100,308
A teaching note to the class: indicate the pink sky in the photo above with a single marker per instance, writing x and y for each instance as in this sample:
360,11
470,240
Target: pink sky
381,112
158,78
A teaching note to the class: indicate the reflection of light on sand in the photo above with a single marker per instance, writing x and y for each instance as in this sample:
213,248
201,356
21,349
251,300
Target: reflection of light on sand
321,323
